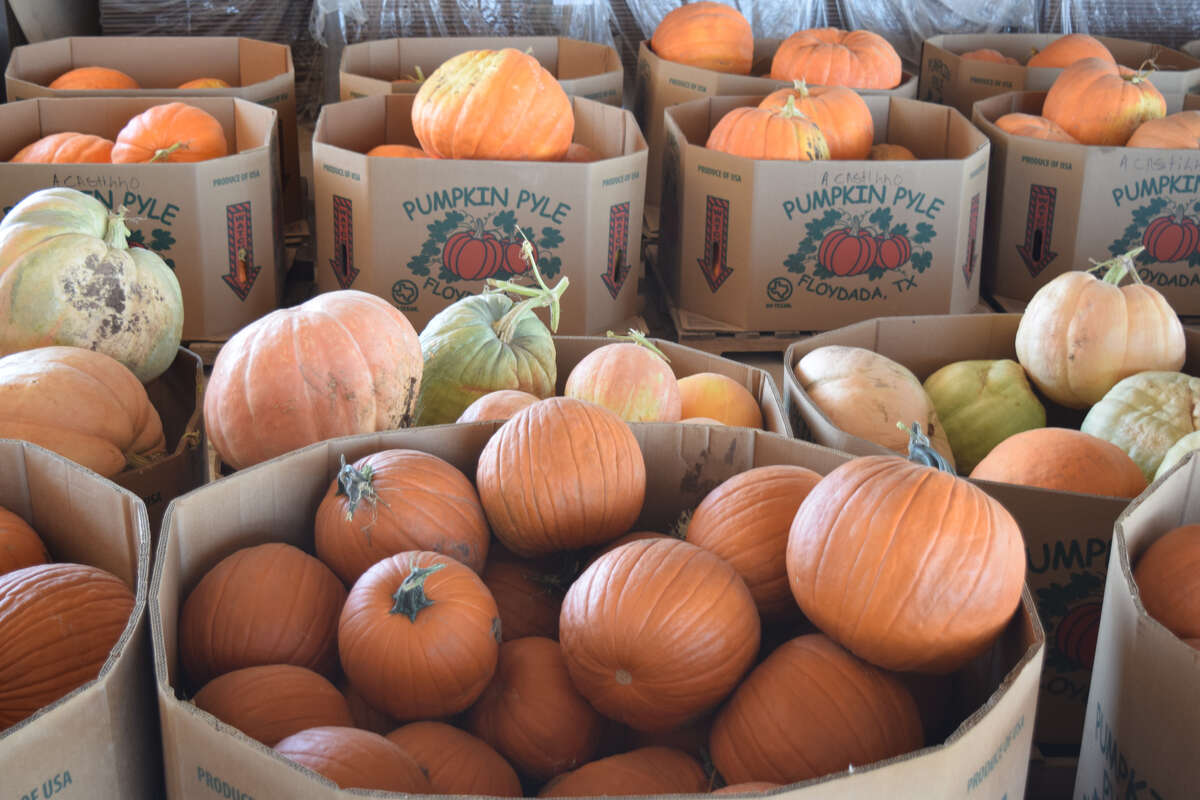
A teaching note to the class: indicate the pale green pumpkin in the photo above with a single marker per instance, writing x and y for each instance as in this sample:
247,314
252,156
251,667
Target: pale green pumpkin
1145,414
1176,453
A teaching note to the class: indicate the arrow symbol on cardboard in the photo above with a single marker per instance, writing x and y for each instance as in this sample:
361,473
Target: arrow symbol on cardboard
716,239
242,270
1039,225
618,247
342,262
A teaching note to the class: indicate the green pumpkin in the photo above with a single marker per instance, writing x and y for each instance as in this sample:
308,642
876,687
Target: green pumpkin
1145,414
982,403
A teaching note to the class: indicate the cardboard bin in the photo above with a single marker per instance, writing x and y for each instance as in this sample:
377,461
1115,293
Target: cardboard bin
216,222
993,697
100,741
1054,205
389,66
385,225
1143,710
754,243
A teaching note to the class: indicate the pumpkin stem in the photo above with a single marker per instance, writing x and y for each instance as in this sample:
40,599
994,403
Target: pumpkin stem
920,451
165,153
789,109
637,337
357,485
800,86
117,235
537,296
410,598
1118,267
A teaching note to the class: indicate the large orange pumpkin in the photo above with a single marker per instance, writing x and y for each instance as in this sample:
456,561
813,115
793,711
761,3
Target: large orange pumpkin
493,104
645,771
20,546
782,134
876,546
419,635
1034,127
273,701
532,713
355,759
708,35
1101,103
631,379
456,762
1168,580
528,594
840,113
174,132
746,521
94,78
1069,48
398,500
1064,460
561,474
657,632
58,623
66,148
344,362
268,604
832,57
853,714
1178,131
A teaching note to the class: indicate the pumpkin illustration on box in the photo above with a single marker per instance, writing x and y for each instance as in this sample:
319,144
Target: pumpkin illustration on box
1170,233
472,248
845,246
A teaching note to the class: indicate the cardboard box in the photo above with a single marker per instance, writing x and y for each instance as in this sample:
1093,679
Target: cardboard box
1054,205
101,740
585,69
383,224
261,72
1067,535
197,216
988,752
948,78
750,232
661,83
1143,710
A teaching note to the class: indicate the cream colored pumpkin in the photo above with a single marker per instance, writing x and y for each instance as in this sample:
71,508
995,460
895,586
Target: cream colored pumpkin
1176,453
1145,414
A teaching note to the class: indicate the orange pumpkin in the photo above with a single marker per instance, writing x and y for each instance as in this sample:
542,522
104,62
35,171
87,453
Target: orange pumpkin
20,546
1101,103
645,771
1168,580
989,55
854,714
1069,48
749,787
657,632
778,134
456,762
344,362
66,148
632,536
365,715
631,379
204,83
493,104
890,152
532,713
172,132
268,604
398,500
840,113
59,624
1064,460
419,635
690,737
94,78
708,35
355,759
907,531
1034,127
561,474
746,521
528,594
832,57
581,154
498,405
717,397
1178,131
397,151
273,701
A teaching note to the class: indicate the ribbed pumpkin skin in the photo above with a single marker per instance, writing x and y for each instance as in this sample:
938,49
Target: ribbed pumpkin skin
397,151
1145,414
1178,131
268,604
527,465
840,113
434,666
657,632
355,759
20,546
493,104
629,380
1064,460
457,762
1099,102
271,702
1066,50
81,404
1034,127
832,57
990,55
762,133
66,148
853,713
420,502
58,623
746,521
344,362
526,595
1168,580
365,715
533,715
94,78
498,405
890,152
645,771
173,132
707,35
46,214
945,564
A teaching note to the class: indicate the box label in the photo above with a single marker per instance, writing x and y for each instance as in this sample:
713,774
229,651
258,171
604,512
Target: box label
342,262
618,249
1120,778
219,787
1164,218
1035,251
980,776
242,269
53,786
716,243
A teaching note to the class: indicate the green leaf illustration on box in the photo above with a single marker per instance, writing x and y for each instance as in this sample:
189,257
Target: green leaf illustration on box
161,239
1071,611
839,245
136,238
466,247
1170,233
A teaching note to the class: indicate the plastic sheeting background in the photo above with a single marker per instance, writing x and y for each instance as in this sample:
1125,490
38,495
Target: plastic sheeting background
1168,22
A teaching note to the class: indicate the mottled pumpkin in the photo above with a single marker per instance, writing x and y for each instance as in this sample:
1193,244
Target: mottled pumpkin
832,57
271,702
840,113
456,762
1145,414
172,132
1099,102
66,148
355,759
707,35
780,134
631,379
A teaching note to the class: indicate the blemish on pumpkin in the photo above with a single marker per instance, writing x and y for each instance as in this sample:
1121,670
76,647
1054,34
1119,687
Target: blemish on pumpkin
496,629
623,677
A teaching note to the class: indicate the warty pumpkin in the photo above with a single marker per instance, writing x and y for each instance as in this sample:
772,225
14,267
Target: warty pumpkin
1034,127
1145,414
840,113
66,148
708,35
832,57
355,759
20,546
498,405
1064,460
631,379
1069,48
172,132
1178,131
782,134
419,636
1168,580
59,623
456,762
1176,453
94,78
1099,102
645,771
